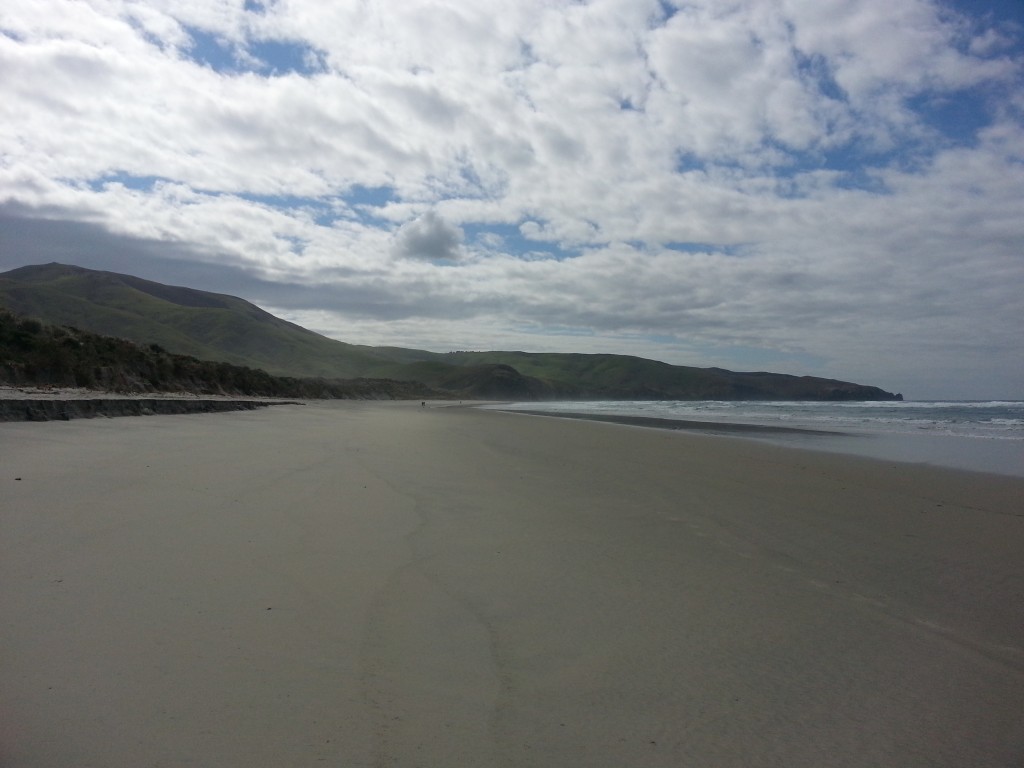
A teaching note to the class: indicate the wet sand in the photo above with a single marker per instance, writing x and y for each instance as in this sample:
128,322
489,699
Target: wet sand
366,584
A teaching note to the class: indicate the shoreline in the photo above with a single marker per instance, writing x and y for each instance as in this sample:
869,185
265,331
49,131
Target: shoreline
679,424
988,456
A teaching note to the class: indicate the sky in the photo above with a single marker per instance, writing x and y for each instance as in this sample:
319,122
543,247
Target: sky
816,187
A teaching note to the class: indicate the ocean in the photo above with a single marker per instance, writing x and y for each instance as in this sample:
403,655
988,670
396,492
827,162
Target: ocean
985,436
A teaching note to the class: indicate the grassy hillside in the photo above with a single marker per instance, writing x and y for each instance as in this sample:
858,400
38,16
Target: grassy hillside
33,353
616,375
217,327
635,378
206,325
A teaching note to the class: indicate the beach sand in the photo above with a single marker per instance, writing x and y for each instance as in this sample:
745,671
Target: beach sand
362,584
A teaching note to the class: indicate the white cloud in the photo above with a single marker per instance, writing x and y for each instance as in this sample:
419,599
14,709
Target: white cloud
751,175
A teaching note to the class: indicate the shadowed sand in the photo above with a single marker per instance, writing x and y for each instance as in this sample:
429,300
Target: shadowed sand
361,584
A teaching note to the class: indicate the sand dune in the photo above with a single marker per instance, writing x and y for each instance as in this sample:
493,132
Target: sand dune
365,584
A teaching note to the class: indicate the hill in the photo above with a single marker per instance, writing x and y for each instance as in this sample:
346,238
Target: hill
209,326
217,327
36,354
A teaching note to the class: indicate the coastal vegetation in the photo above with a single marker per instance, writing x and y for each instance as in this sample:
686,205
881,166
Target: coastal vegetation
36,354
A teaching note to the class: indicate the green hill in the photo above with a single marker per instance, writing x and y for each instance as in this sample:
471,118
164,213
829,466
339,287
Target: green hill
33,353
217,327
209,326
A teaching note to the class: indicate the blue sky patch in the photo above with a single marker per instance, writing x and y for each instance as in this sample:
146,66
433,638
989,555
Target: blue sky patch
958,116
265,57
375,197
141,183
211,51
321,210
999,10
688,161
668,10
816,67
282,57
512,241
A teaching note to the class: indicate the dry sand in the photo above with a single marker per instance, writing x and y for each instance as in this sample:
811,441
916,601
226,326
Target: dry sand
357,584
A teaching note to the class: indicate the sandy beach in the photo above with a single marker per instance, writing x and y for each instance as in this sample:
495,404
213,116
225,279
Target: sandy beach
364,584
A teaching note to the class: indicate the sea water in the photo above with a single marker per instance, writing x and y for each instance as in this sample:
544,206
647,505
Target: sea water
986,436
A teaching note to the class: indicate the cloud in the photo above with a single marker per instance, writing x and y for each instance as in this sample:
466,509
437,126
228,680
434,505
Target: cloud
833,183
429,238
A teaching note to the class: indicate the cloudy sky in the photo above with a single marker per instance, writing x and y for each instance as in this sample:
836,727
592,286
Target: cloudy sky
824,187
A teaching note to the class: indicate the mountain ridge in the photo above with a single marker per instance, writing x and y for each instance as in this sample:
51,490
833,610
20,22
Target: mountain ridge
224,328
